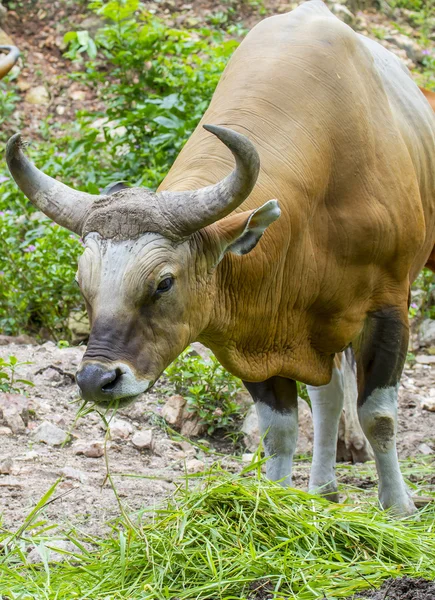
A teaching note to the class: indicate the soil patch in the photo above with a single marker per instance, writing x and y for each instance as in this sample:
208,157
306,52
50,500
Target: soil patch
404,588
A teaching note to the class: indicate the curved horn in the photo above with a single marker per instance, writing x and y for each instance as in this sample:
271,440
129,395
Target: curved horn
8,62
192,210
65,206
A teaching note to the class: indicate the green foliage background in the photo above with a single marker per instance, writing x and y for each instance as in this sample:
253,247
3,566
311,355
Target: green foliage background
155,83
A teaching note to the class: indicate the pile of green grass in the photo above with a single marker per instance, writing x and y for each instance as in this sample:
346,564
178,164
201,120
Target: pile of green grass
232,537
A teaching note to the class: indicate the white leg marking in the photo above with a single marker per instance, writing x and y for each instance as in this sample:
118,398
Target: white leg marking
327,404
378,417
281,433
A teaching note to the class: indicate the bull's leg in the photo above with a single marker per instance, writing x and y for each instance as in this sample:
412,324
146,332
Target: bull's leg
380,359
326,405
352,443
276,401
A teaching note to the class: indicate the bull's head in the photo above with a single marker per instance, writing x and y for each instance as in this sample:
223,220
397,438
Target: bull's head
9,60
149,261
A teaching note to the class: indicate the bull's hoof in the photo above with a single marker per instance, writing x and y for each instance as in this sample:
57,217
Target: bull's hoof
328,491
400,504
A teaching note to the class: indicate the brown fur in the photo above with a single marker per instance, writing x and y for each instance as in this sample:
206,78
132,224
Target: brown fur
348,150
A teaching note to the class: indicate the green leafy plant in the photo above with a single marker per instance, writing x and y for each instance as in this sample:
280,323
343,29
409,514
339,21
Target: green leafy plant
209,389
37,288
8,375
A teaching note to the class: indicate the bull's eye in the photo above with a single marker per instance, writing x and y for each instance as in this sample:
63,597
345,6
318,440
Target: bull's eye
165,285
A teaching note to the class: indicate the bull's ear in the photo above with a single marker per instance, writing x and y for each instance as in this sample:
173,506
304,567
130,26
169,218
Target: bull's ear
112,188
240,233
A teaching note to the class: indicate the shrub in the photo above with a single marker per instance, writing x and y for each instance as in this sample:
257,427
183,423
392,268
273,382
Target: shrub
209,389
8,378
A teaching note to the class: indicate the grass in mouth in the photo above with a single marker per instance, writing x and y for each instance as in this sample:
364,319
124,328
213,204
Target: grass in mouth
221,538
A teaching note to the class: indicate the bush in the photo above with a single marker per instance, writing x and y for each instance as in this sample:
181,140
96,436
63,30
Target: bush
209,389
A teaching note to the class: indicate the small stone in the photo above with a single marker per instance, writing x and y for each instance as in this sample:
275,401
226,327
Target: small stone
172,411
50,434
192,427
19,339
71,473
143,440
79,95
37,95
120,429
6,466
425,449
428,404
5,431
248,457
51,374
14,410
195,466
93,449
60,109
424,359
78,321
250,430
8,481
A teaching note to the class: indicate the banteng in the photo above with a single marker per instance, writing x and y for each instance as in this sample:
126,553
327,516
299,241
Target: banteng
328,124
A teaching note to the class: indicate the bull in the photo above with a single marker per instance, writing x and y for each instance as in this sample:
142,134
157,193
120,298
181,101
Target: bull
9,60
331,124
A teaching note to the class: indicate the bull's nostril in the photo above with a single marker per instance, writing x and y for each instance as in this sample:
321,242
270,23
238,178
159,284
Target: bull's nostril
110,379
96,382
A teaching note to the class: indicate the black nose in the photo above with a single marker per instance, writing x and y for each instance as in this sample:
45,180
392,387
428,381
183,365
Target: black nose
96,383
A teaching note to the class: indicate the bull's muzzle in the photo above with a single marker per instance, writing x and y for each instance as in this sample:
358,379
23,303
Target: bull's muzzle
109,384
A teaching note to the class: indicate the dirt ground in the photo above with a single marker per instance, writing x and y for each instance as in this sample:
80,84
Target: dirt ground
403,588
145,477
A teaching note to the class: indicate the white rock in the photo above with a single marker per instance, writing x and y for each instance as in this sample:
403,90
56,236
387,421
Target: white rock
37,95
143,440
195,466
79,95
428,404
425,449
250,430
248,457
71,473
14,410
120,429
172,411
5,431
6,466
93,449
425,359
50,434
426,333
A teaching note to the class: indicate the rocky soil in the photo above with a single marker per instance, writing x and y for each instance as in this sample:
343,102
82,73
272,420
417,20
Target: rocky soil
40,442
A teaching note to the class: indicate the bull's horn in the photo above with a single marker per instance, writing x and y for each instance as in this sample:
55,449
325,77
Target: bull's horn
65,206
193,210
9,60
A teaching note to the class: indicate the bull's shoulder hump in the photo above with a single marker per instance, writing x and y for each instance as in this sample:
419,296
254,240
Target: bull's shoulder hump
310,21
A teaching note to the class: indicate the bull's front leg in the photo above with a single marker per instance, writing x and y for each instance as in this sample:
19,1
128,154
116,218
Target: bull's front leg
380,359
276,401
